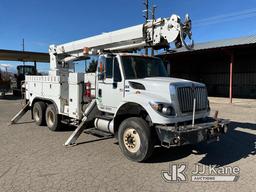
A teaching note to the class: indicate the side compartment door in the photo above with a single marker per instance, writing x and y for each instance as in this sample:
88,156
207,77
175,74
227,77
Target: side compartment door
110,86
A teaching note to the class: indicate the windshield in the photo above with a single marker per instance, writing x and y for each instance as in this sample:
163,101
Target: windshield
139,67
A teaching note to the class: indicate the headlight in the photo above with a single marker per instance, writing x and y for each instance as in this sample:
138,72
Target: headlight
163,108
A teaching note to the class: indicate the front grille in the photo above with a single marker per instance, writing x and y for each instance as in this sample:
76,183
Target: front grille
186,96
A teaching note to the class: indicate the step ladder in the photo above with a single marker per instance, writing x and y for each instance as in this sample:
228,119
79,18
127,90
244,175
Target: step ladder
89,114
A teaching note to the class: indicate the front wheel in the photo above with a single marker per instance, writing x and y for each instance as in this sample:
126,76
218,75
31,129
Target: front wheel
135,139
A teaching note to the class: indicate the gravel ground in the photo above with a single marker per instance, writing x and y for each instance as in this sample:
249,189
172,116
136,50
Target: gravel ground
33,158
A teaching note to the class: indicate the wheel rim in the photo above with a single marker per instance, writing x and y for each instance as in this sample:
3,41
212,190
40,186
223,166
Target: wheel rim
131,140
50,118
36,115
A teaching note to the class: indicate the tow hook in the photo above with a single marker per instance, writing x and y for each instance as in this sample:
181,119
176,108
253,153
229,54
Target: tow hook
176,140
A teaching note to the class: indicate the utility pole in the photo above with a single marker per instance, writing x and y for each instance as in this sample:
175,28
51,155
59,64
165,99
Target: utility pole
23,49
146,19
153,20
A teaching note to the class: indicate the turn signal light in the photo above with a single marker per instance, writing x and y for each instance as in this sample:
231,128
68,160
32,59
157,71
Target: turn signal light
85,50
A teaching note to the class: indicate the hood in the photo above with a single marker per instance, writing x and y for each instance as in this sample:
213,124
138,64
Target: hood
162,83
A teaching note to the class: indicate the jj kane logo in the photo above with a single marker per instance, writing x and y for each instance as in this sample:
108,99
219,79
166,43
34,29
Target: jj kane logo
201,173
176,173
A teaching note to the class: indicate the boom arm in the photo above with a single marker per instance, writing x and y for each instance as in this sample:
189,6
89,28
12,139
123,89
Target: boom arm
155,33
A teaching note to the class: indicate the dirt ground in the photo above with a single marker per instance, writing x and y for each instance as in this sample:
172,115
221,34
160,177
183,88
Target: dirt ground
33,158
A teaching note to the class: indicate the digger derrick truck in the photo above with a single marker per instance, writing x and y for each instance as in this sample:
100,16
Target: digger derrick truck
129,95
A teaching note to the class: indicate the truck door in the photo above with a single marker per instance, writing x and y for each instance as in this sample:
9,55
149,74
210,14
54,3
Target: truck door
110,84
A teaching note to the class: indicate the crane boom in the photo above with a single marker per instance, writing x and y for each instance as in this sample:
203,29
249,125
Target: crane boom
156,34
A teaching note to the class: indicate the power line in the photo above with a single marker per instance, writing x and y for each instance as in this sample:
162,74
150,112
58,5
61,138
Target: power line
225,17
228,15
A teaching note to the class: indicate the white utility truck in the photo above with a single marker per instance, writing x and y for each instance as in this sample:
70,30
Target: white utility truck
127,95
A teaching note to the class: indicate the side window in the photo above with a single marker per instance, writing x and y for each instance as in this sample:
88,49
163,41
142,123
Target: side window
109,67
117,73
91,64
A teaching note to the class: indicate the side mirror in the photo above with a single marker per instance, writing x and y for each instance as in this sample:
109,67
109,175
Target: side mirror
117,78
116,72
101,70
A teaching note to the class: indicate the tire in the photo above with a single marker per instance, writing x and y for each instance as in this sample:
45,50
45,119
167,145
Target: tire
135,139
38,113
52,118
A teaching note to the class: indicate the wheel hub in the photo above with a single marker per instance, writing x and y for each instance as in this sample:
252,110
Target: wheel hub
131,140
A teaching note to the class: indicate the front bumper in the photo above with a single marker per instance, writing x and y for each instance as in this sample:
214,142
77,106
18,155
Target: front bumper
208,129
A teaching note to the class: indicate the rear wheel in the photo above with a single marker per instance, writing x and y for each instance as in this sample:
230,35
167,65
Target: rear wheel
52,118
135,139
39,113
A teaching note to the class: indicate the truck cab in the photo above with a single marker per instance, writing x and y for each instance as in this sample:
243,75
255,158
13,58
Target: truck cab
132,78
136,90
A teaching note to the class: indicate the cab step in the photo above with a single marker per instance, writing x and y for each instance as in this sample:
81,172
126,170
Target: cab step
97,132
